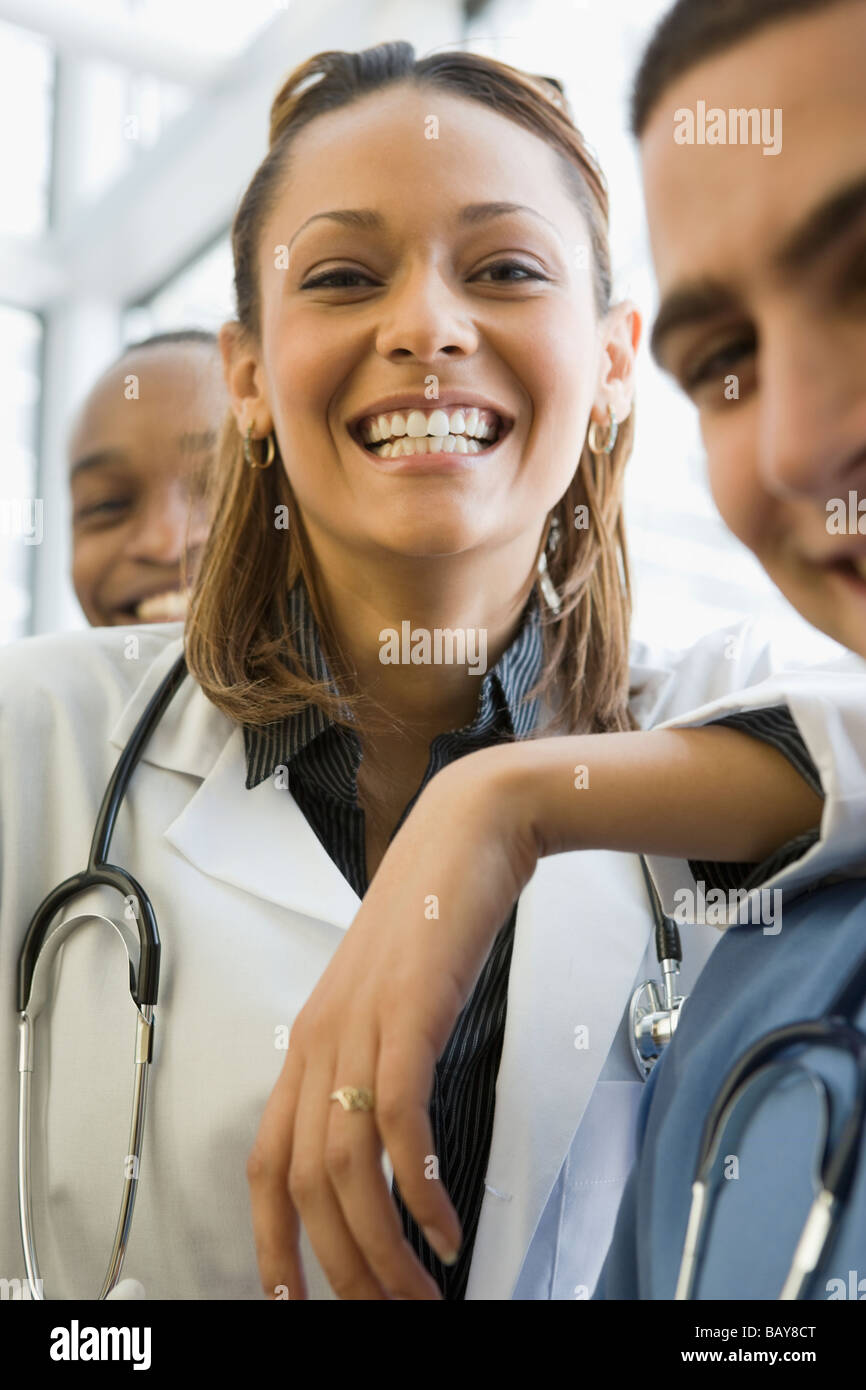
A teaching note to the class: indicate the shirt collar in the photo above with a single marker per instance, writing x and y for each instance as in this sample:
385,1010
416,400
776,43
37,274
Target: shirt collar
502,708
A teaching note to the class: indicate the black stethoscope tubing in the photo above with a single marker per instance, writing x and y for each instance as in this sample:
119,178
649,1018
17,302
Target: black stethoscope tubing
143,978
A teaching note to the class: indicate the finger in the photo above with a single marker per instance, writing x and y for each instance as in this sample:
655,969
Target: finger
353,1158
404,1083
276,1229
317,1204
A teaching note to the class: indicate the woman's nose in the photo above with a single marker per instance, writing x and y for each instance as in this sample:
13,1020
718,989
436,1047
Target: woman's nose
812,426
426,318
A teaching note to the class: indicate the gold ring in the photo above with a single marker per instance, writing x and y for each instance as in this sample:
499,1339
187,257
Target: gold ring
353,1097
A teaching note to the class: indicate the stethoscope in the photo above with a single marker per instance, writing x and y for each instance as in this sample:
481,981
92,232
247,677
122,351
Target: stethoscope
745,1085
655,1006
652,1015
140,935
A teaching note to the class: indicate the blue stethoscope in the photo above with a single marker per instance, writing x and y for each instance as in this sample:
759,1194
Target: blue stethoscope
140,935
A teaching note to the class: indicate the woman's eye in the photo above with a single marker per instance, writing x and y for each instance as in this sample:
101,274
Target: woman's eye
346,278
334,279
527,271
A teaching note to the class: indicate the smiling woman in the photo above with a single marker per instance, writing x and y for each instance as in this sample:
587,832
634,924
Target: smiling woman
428,382
364,259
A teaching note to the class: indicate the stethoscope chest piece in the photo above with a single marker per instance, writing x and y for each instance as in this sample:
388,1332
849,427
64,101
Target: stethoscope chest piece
652,1023
654,1009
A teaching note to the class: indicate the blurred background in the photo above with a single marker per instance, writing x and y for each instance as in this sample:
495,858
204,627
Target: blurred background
130,129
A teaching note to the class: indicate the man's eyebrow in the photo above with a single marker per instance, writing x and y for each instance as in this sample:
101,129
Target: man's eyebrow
686,306
100,458
822,226
367,219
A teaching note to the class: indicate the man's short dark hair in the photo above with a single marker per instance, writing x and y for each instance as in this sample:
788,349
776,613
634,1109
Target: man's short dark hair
693,30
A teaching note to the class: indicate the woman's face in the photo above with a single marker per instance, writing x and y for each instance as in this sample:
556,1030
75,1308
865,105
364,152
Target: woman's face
436,296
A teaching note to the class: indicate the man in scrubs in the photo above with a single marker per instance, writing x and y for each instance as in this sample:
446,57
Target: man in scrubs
759,243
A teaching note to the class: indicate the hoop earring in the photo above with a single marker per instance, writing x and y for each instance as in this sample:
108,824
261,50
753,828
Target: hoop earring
592,437
248,450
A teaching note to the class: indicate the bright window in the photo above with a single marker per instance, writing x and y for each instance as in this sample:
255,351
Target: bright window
22,523
26,90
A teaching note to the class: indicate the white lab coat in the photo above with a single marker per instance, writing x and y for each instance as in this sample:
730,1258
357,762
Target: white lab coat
250,910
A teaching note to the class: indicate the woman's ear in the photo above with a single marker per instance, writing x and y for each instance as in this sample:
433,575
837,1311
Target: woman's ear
620,339
243,377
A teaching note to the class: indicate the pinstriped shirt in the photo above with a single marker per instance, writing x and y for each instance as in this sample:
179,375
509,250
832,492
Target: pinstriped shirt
322,759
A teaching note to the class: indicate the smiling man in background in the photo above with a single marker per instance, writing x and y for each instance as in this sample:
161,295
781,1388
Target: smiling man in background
139,452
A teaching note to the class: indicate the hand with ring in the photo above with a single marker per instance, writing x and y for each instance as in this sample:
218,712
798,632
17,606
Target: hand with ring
358,1074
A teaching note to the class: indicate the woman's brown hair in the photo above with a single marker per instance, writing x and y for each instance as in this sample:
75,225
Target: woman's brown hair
239,643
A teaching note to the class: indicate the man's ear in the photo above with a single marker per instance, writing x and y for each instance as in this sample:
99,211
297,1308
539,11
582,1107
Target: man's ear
243,378
621,335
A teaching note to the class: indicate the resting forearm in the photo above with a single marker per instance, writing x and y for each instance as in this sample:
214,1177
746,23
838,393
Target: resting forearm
706,793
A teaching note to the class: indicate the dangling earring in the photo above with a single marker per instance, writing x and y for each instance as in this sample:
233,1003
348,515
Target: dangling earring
248,450
593,440
545,583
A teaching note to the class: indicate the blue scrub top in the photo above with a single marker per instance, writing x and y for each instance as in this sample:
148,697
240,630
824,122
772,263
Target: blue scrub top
751,984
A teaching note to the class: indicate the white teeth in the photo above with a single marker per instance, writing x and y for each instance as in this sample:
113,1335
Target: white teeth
429,444
438,424
416,425
168,607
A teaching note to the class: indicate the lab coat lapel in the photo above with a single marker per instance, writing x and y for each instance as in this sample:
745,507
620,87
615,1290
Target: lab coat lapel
580,936
258,840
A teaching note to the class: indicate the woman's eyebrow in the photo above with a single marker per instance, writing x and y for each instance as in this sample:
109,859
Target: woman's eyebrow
367,219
